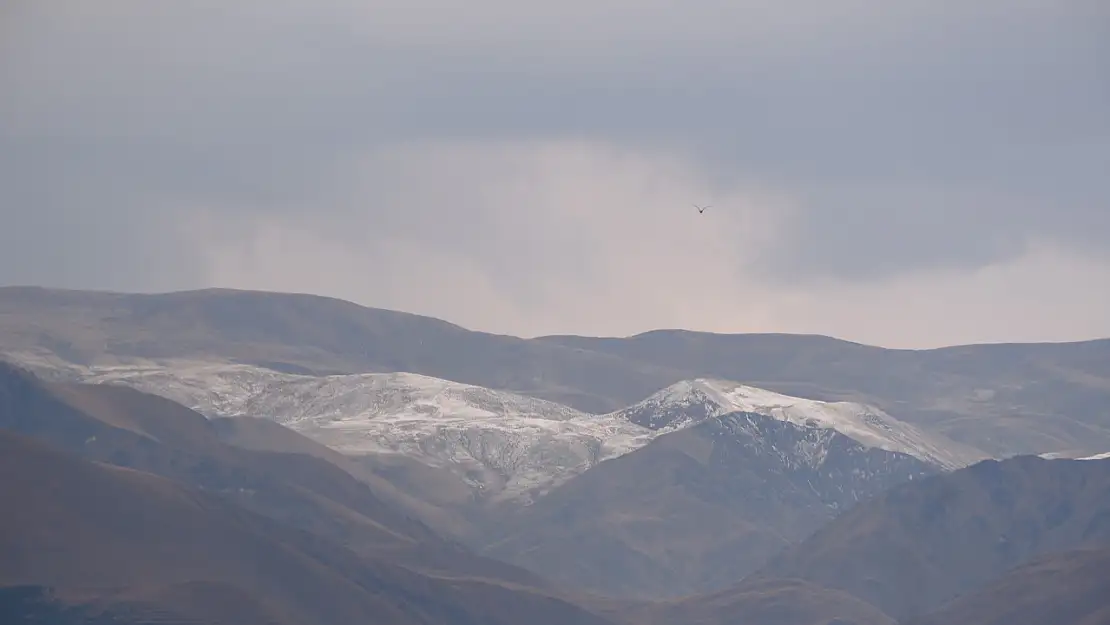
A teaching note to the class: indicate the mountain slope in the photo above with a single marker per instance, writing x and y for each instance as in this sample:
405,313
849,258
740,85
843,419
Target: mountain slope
771,602
1004,399
127,428
96,530
691,401
822,457
923,543
1070,588
188,603
296,333
259,434
504,446
697,508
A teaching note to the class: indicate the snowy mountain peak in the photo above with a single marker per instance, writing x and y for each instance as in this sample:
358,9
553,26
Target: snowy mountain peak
692,401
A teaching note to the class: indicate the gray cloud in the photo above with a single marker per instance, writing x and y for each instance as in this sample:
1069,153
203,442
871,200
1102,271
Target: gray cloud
146,144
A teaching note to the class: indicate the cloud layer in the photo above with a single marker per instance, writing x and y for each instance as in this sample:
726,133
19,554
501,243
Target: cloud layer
926,174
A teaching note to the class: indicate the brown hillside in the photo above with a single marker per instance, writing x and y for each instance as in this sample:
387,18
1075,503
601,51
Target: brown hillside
926,542
772,602
1070,588
122,535
127,428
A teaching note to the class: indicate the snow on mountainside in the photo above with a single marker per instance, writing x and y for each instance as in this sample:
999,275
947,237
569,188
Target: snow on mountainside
1063,455
505,445
693,401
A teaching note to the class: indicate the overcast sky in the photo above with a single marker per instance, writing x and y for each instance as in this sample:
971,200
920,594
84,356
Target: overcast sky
911,173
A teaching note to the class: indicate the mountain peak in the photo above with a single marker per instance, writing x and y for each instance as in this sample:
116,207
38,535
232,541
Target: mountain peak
691,401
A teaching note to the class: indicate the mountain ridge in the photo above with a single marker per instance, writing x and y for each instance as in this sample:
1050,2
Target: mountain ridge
506,447
697,508
1002,398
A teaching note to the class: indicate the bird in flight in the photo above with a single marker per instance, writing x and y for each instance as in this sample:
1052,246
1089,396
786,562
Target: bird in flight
701,209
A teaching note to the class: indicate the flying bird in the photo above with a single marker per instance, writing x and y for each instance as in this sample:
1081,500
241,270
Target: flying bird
701,209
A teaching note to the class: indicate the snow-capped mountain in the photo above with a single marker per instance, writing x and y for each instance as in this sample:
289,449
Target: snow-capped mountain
727,494
504,445
693,401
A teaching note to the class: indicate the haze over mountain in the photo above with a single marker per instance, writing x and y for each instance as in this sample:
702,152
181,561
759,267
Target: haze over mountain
531,170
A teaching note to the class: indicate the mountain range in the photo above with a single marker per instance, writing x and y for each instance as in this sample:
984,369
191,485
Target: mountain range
424,473
1004,399
761,469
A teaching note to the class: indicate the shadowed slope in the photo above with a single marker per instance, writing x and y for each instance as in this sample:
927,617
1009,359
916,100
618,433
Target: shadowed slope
127,428
697,509
73,524
923,543
118,534
772,602
1070,588
440,499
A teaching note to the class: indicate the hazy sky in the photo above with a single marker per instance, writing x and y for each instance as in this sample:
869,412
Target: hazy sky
909,173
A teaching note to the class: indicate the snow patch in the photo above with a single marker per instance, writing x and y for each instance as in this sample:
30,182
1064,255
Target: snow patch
1063,455
506,445
865,424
